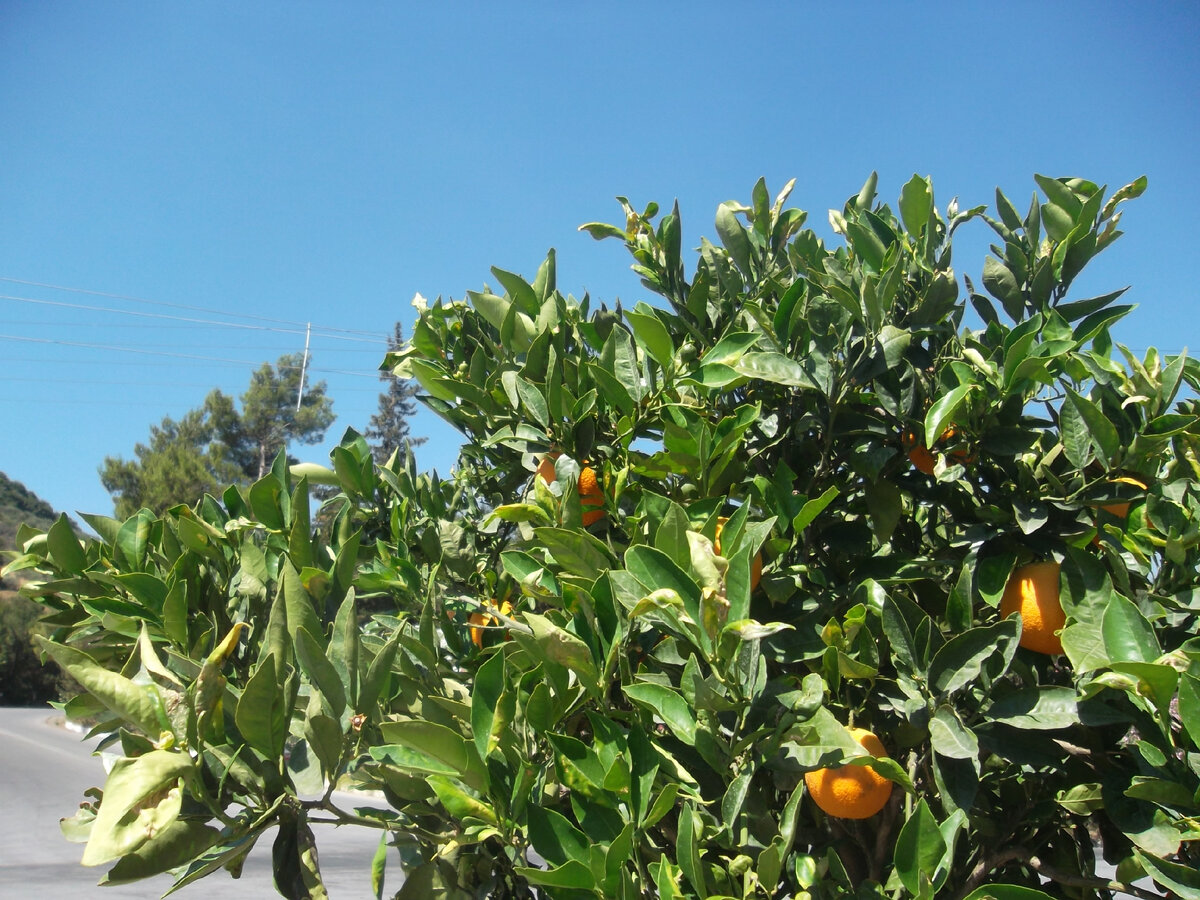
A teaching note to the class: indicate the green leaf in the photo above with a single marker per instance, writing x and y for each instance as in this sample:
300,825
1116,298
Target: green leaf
533,401
730,348
775,368
320,671
577,551
941,413
518,289
1081,799
1183,880
657,571
1162,792
458,802
687,850
1036,708
1102,431
959,662
65,551
485,702
324,736
1075,437
133,539
262,715
137,704
950,737
378,672
555,838
1189,706
300,610
916,205
919,848
652,334
1128,635
176,845
1007,892
733,237
1002,284
571,875
668,706
379,866
559,646
142,797
437,742
618,359
813,508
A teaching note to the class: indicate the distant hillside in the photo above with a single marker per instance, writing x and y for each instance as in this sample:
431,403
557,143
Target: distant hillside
19,504
24,681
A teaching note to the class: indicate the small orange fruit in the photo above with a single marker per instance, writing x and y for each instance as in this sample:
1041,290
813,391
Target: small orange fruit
1033,591
591,497
924,459
755,566
588,487
850,791
545,468
479,620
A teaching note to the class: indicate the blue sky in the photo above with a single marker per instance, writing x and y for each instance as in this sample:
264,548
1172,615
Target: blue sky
321,162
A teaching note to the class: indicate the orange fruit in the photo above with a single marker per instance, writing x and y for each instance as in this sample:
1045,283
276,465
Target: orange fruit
1033,591
851,792
545,468
479,620
755,566
924,459
588,487
591,496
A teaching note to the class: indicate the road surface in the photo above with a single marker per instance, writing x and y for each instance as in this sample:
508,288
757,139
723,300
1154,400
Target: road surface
44,770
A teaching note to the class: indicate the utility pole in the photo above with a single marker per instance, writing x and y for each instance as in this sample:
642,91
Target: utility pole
303,365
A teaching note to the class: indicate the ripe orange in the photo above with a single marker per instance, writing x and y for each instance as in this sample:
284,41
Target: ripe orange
478,621
921,457
588,488
851,792
591,496
924,459
755,566
545,468
1033,591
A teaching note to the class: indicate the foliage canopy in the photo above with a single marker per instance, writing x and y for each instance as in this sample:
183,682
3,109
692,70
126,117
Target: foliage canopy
218,443
639,722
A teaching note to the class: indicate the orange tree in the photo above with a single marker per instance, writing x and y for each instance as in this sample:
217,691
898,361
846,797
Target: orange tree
548,708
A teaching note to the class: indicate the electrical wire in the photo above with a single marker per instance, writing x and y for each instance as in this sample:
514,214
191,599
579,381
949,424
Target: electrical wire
188,356
169,305
323,332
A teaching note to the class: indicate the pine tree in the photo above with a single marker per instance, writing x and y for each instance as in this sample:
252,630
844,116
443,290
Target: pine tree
388,430
218,444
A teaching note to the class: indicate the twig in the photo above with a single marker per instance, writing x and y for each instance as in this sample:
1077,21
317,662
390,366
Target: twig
1023,855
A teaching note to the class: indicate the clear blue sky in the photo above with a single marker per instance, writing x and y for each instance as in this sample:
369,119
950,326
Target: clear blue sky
322,162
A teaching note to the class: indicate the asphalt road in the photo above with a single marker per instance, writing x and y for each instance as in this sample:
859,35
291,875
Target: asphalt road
44,770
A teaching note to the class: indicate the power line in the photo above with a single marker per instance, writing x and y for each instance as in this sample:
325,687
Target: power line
164,303
189,356
47,323
62,304
173,384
